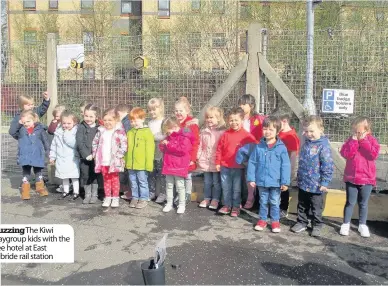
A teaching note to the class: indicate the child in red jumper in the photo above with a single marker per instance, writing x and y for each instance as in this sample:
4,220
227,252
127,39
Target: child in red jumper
360,151
290,138
182,113
253,123
231,172
176,150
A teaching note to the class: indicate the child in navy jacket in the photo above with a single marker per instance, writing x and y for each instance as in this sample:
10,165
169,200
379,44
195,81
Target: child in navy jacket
269,169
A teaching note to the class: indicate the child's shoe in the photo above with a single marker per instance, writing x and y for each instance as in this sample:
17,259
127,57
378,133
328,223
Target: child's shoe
298,227
161,199
133,203
41,188
224,210
204,204
74,197
363,230
181,209
115,203
141,204
261,225
88,194
345,228
316,231
249,204
283,214
167,208
235,212
213,205
127,196
94,198
275,226
26,191
152,196
107,202
64,195
59,189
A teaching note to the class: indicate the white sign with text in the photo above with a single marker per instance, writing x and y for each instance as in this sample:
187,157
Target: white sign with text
338,101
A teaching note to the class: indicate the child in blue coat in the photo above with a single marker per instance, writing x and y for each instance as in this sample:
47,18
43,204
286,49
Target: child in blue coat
269,169
32,148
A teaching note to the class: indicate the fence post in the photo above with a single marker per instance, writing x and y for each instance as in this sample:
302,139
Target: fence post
51,84
252,85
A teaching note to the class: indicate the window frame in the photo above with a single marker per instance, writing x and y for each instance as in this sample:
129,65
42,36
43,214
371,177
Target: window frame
86,70
28,72
160,11
195,9
29,8
216,9
243,42
33,42
89,43
194,35
87,8
166,47
130,2
55,7
247,10
218,37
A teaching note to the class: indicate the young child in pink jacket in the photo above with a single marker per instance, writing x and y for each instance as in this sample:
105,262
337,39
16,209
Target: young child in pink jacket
360,151
206,157
176,149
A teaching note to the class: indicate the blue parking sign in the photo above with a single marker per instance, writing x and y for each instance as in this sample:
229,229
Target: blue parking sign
328,94
328,105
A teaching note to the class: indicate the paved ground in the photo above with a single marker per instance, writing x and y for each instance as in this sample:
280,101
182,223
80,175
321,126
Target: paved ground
208,249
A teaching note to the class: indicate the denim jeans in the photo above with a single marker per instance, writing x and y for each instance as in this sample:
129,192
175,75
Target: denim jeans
271,197
139,184
231,186
356,193
212,179
179,183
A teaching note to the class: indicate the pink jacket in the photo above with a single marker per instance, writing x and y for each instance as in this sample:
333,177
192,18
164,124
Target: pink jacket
177,153
206,156
360,158
119,147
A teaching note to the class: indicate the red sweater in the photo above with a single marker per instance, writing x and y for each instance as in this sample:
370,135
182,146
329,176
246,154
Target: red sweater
257,125
229,144
195,130
290,139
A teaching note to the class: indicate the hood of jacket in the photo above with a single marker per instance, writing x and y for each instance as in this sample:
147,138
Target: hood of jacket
119,126
323,140
263,142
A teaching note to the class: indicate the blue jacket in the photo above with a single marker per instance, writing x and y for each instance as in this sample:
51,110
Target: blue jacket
316,165
32,148
126,123
269,167
244,152
15,125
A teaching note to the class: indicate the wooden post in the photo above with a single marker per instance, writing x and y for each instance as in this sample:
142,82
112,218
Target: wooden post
51,84
253,71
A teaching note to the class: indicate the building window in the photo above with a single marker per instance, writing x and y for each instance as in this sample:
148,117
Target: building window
218,71
195,40
53,4
31,74
125,41
27,4
218,40
245,10
88,40
218,6
30,37
126,7
164,8
88,73
87,4
164,42
243,42
195,5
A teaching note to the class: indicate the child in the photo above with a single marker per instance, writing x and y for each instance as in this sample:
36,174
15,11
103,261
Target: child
64,155
157,181
176,150
27,103
122,111
231,172
139,158
290,138
85,134
182,113
252,123
206,157
82,107
314,175
108,150
32,147
360,151
57,112
269,169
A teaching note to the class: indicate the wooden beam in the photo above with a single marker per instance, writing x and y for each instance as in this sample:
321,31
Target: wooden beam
227,86
281,87
252,85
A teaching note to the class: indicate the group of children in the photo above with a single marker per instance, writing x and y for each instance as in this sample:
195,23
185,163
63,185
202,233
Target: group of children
252,152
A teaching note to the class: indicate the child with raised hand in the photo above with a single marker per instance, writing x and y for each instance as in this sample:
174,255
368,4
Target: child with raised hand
182,113
108,150
315,173
157,181
86,132
290,138
32,148
27,103
57,112
269,169
206,158
233,139
176,150
360,151
139,158
63,153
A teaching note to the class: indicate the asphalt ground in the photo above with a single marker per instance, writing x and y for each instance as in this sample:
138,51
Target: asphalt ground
202,247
